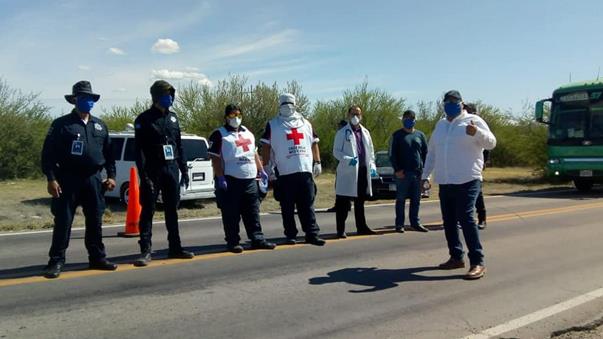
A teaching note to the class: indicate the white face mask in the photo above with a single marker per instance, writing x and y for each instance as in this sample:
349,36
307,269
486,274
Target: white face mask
235,122
287,110
355,120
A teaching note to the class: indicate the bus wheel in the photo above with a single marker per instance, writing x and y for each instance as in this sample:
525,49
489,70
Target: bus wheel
583,185
124,192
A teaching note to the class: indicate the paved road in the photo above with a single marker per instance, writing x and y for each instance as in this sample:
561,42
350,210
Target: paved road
543,253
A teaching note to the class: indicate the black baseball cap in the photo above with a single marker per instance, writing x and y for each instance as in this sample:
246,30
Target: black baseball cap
453,94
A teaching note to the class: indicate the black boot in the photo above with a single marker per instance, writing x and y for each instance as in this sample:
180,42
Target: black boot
144,259
103,265
180,254
53,270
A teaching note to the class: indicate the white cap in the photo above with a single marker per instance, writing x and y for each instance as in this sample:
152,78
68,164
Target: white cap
286,98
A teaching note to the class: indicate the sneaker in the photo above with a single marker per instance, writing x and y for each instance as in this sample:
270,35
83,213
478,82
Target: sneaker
143,260
342,235
419,228
235,248
180,254
452,264
290,241
53,270
482,225
400,229
315,240
262,245
103,265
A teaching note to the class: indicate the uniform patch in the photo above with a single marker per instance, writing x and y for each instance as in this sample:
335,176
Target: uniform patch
173,119
98,127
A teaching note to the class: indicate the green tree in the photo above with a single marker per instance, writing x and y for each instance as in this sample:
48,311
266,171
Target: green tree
118,117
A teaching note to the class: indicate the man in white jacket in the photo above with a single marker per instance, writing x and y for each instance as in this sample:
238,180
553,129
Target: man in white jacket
455,155
353,148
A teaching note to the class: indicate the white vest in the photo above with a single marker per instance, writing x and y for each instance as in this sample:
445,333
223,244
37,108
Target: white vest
238,153
291,146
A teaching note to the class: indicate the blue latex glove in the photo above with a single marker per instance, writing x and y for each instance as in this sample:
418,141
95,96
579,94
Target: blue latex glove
374,173
222,183
353,161
263,175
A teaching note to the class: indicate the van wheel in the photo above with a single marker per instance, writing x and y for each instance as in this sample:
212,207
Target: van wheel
124,193
583,185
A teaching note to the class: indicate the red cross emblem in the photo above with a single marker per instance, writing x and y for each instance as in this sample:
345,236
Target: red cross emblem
295,136
242,142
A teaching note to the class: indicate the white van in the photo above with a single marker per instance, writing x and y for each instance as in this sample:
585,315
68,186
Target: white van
195,147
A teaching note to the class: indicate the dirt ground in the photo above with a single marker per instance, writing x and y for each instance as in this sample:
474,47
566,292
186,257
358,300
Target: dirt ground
25,205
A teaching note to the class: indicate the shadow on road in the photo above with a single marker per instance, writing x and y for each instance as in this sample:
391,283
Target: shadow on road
560,193
376,279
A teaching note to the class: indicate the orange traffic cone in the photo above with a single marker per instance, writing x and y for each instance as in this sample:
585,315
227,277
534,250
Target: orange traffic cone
133,214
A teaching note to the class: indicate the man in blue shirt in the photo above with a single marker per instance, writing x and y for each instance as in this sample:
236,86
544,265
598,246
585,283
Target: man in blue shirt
407,155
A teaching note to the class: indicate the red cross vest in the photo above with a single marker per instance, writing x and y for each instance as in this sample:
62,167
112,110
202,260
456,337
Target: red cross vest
291,147
238,153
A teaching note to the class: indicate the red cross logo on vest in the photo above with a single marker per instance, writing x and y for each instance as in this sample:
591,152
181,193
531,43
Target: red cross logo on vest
242,142
295,136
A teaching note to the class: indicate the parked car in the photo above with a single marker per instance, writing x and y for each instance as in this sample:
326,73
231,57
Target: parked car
384,186
199,166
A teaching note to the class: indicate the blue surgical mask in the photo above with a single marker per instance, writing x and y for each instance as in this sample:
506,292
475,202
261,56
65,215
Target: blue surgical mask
84,104
452,109
165,101
409,123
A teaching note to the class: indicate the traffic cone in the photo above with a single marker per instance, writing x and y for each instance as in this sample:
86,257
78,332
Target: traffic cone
133,214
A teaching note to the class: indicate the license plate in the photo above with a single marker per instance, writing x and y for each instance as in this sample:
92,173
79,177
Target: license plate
392,187
586,173
198,176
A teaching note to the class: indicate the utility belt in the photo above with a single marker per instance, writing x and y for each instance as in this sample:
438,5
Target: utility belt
65,172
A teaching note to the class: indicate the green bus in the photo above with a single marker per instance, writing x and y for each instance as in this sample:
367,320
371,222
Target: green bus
575,140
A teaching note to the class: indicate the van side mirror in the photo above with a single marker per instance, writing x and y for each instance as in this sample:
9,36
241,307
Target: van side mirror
543,108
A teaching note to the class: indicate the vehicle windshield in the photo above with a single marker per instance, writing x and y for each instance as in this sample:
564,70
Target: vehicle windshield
574,121
382,160
194,149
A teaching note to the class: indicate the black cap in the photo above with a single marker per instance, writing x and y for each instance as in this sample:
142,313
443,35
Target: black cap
409,114
81,87
453,94
160,88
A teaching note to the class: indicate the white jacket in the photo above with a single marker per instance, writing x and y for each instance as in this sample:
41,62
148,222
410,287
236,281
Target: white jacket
454,156
344,150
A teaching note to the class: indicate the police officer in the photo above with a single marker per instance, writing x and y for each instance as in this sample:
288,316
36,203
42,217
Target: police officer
159,157
75,151
289,142
236,163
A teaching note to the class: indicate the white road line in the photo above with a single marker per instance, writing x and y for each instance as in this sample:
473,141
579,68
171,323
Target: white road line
538,315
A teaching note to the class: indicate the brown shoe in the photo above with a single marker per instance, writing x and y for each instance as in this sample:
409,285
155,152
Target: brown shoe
452,264
475,272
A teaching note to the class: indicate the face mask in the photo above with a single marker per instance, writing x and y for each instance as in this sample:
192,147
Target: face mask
355,120
84,104
165,101
287,110
409,123
452,109
234,122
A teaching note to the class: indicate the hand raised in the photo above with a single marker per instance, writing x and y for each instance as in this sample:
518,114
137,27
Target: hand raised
471,129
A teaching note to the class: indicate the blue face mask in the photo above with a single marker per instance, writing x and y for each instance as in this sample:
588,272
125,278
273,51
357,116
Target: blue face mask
84,104
452,109
165,101
409,123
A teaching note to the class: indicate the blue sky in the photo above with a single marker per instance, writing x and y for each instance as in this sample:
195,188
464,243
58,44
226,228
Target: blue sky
505,53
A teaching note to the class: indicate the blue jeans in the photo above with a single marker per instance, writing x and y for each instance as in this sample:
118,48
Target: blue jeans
409,187
457,202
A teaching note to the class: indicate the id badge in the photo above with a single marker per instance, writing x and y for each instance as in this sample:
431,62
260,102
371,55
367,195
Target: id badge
168,152
77,147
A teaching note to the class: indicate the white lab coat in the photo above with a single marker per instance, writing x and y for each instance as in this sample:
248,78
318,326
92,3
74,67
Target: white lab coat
344,150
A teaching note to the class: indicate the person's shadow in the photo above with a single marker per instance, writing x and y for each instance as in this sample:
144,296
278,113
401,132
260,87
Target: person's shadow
378,279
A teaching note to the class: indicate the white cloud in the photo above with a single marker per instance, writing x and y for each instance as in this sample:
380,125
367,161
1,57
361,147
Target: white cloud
83,67
262,44
165,46
181,75
116,51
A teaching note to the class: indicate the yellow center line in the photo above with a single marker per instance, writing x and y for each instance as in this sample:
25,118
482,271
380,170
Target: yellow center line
211,256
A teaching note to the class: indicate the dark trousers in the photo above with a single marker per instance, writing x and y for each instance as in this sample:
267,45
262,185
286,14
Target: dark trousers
164,179
240,199
457,203
85,191
480,207
298,190
342,205
408,188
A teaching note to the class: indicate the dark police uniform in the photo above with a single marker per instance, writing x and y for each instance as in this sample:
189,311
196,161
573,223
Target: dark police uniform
159,156
236,150
74,154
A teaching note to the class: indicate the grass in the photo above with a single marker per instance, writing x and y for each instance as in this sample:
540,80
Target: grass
25,204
